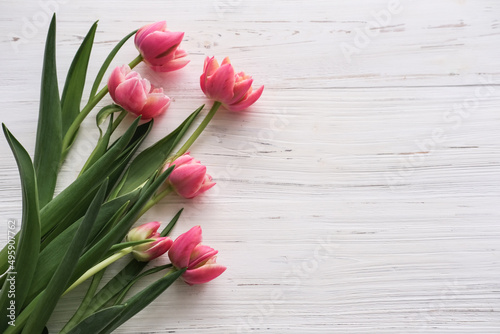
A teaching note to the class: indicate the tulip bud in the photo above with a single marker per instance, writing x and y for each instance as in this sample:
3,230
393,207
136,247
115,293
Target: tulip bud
200,260
160,48
151,250
189,177
220,83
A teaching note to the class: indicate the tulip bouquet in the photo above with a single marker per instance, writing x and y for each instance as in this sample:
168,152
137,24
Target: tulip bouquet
74,236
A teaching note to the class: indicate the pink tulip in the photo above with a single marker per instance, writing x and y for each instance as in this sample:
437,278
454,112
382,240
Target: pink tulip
135,94
160,48
150,250
189,177
200,260
221,83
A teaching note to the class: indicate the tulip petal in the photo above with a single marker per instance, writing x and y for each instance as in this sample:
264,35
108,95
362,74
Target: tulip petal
148,29
187,179
240,89
181,249
117,77
156,104
207,184
130,95
219,86
200,255
247,101
152,250
209,67
172,65
203,274
183,159
144,231
160,44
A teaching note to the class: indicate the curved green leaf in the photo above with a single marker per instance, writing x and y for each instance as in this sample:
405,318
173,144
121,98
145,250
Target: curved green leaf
142,299
106,63
54,252
100,148
62,275
28,247
98,321
151,271
69,199
75,81
49,133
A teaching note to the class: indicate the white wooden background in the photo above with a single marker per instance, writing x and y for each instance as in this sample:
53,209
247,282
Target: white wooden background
359,195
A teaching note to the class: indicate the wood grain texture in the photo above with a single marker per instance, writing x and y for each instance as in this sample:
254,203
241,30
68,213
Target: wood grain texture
359,195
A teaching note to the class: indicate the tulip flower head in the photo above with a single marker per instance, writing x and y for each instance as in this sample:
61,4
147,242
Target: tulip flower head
221,83
200,260
189,177
160,48
135,94
151,250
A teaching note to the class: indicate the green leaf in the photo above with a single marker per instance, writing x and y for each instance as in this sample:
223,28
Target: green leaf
92,256
114,286
142,299
153,158
79,314
105,112
28,246
100,148
151,271
75,81
139,137
62,275
54,252
98,321
48,145
108,226
106,63
166,231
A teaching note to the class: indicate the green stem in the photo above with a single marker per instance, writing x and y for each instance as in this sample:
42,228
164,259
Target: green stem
155,200
98,267
136,61
198,131
71,133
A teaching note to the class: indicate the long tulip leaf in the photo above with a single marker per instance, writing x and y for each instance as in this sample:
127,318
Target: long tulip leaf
75,81
100,148
62,275
54,252
98,321
49,132
106,63
28,246
166,231
142,299
151,271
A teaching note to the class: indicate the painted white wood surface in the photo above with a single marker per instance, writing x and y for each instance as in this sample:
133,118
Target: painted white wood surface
359,195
